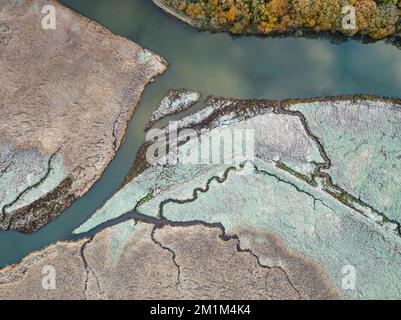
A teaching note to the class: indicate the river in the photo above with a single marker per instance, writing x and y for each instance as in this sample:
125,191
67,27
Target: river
220,65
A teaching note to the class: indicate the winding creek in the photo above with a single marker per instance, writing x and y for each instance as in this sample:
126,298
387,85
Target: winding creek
220,65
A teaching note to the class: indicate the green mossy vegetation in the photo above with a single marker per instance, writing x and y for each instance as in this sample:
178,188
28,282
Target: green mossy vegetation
308,179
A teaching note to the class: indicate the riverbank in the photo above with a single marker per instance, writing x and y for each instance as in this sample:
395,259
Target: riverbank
68,95
373,19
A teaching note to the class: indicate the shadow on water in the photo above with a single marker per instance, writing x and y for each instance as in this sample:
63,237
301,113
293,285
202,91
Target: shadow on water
221,65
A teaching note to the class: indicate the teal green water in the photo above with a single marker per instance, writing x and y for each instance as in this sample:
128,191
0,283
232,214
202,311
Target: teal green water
221,65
